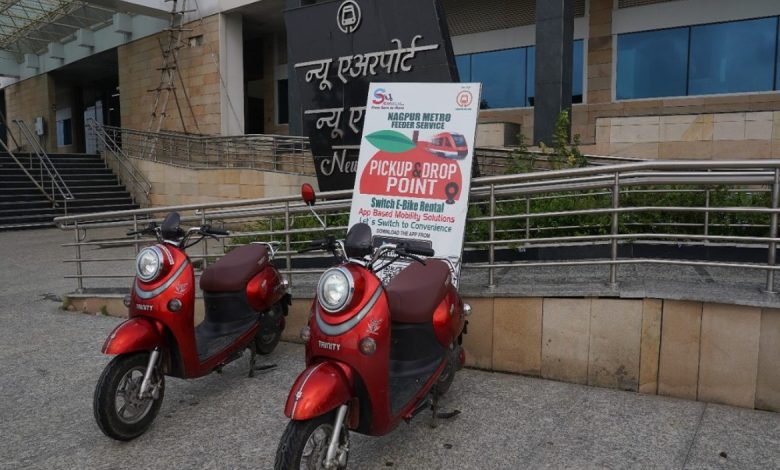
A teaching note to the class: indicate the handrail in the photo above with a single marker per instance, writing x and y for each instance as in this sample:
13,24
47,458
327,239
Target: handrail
31,177
45,164
8,128
112,147
274,153
502,213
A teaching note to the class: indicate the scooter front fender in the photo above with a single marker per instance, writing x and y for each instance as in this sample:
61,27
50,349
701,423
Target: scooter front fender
135,334
317,390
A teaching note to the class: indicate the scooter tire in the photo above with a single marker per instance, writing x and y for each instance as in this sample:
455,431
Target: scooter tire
107,416
295,437
266,342
444,382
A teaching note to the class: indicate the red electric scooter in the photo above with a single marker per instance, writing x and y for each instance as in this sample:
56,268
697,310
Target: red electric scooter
246,300
375,355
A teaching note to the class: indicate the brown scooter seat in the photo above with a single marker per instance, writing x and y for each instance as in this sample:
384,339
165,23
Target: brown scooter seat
234,270
415,292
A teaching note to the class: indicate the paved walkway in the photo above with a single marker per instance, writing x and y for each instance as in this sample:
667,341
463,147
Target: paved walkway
50,361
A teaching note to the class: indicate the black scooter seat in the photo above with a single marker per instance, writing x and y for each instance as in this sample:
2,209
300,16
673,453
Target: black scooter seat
234,270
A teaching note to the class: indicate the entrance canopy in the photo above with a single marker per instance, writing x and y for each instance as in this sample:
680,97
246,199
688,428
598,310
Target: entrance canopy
28,26
35,31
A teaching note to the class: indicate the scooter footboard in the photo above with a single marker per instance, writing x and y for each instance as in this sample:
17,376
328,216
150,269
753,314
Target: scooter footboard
317,390
135,334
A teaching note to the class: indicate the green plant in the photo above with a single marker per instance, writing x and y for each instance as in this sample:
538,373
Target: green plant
104,310
562,154
521,160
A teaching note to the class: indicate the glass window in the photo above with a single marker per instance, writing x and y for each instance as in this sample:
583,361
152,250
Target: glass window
502,74
64,132
508,76
576,72
530,74
464,67
732,57
652,64
777,63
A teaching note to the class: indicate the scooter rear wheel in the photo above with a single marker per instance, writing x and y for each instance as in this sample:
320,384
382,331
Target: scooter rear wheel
271,331
444,382
119,412
304,444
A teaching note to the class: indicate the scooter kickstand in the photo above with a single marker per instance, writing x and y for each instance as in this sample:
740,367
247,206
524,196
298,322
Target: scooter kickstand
253,361
266,367
436,414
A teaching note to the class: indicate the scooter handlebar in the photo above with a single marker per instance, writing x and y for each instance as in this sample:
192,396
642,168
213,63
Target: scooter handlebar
208,230
321,244
413,248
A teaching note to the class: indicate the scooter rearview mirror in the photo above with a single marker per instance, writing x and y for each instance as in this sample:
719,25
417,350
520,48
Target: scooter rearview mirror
307,193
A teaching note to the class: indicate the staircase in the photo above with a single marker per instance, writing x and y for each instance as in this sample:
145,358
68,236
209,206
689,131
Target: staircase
95,189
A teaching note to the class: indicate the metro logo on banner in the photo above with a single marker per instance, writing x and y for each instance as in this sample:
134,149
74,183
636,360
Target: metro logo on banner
414,169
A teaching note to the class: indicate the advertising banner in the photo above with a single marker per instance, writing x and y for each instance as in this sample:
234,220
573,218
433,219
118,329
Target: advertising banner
338,48
414,171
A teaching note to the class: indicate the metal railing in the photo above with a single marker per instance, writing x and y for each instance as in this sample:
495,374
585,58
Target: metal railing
262,152
713,203
46,168
494,161
126,169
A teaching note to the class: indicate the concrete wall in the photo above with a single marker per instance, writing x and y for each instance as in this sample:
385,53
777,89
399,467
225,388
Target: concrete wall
198,69
28,99
172,185
699,351
698,136
694,350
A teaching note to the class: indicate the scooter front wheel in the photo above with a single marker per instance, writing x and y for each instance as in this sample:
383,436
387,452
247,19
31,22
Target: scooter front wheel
304,444
119,411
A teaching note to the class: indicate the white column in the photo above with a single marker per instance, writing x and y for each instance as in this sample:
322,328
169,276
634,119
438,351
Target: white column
231,69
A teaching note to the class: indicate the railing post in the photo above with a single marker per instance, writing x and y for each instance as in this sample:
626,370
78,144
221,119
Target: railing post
706,216
136,236
770,274
287,239
205,241
527,219
615,206
79,280
274,156
492,248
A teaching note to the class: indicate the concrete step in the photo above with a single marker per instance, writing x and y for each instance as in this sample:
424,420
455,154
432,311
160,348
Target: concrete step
67,177
95,189
26,226
86,170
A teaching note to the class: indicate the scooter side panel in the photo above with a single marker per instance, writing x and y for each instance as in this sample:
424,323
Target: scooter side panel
449,318
319,389
135,334
150,300
265,289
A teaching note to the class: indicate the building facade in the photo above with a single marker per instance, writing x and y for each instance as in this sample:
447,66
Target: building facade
655,79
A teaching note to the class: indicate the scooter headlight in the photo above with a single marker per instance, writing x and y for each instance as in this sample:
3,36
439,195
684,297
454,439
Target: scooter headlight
335,289
148,264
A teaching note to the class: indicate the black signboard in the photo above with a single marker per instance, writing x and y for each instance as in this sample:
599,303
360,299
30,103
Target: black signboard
338,48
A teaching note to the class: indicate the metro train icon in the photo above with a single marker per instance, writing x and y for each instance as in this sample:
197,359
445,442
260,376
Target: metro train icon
448,145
